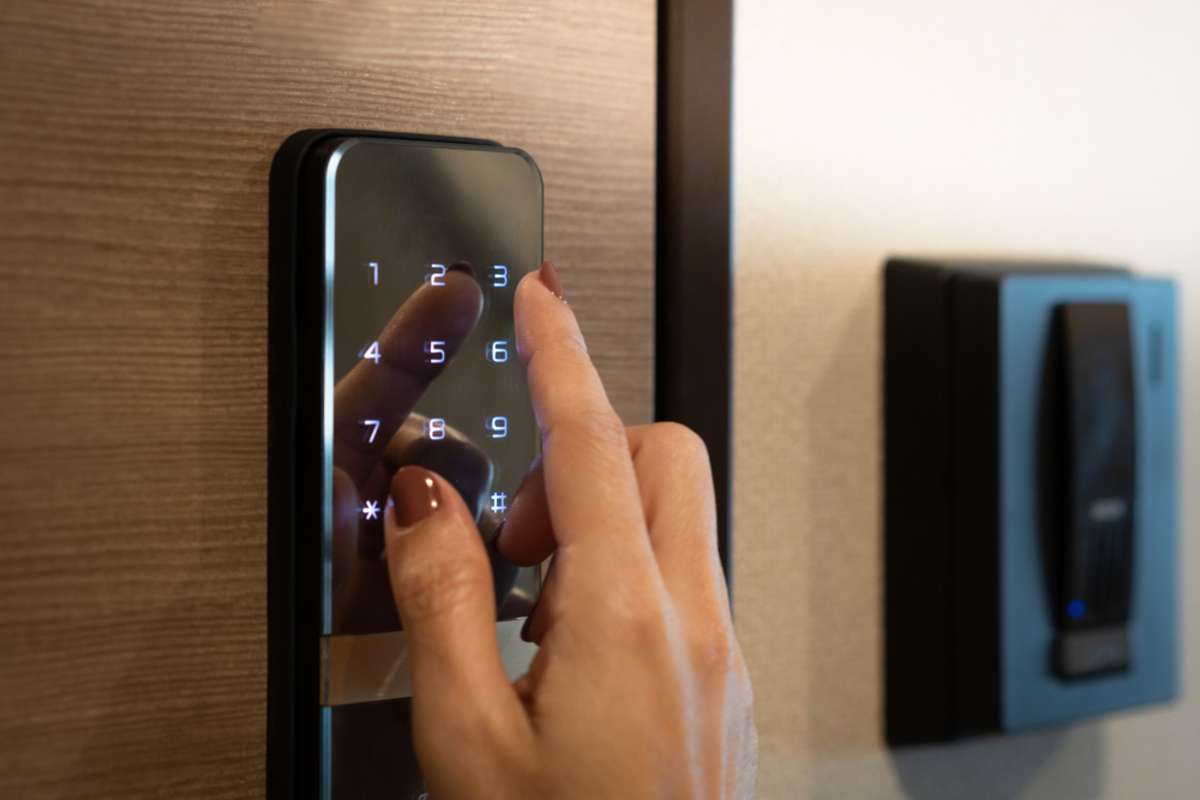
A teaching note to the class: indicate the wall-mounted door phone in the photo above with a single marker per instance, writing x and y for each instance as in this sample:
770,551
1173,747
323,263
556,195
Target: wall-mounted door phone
393,265
1030,531
1089,437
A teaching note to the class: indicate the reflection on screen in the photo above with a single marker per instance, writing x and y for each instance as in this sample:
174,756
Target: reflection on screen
428,244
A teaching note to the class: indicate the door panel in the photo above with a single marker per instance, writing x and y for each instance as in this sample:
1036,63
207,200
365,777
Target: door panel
135,140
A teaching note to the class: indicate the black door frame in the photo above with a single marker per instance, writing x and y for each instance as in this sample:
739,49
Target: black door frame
694,291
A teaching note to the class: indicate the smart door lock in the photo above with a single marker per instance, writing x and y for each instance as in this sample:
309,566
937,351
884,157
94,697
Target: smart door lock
394,260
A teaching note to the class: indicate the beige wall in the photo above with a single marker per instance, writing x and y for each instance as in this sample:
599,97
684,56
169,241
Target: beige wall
874,127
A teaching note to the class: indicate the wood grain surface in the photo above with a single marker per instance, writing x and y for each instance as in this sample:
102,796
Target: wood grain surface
135,140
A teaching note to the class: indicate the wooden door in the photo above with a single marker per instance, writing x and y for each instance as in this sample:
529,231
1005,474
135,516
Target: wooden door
135,139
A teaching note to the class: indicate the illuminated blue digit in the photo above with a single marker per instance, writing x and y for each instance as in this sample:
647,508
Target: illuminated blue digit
497,351
499,276
374,267
497,427
372,352
437,428
437,274
436,350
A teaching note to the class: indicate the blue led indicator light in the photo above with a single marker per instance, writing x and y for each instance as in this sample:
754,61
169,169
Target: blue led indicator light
1076,609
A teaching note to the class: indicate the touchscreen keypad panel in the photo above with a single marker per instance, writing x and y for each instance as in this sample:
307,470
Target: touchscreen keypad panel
424,248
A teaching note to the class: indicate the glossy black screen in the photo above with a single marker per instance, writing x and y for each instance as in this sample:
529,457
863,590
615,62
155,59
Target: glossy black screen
425,244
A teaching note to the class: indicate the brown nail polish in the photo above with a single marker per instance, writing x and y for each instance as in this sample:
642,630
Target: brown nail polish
463,267
416,495
527,627
549,277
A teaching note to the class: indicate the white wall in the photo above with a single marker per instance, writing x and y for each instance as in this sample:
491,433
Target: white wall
1067,128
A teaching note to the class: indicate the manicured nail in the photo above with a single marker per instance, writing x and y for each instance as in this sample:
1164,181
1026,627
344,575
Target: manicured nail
415,494
549,277
462,266
526,628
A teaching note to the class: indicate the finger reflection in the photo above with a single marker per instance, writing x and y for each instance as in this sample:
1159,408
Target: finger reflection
376,432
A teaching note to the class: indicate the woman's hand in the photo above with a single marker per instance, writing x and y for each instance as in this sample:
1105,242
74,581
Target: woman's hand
639,688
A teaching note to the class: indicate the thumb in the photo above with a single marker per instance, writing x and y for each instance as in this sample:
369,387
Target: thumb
442,584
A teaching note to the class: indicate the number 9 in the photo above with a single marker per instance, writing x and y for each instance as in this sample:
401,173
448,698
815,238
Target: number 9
497,427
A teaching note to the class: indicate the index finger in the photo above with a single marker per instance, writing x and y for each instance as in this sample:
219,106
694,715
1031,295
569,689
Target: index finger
591,487
377,394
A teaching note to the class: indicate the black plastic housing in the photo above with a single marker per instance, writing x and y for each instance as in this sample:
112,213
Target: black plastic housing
296,303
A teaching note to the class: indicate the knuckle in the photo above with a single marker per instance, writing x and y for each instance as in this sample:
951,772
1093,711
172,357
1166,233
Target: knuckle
676,441
600,426
643,623
712,651
432,588
558,353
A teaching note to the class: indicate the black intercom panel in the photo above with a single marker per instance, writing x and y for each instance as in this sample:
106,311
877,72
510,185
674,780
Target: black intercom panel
1030,495
393,263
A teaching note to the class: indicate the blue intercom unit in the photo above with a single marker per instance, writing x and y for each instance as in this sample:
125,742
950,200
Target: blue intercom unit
1030,499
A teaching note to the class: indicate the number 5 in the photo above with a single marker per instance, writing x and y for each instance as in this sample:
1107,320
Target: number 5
436,349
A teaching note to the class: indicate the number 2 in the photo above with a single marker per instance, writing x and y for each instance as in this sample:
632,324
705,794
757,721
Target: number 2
437,275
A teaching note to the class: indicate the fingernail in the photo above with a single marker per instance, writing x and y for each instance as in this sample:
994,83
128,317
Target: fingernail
528,624
462,266
415,494
549,277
